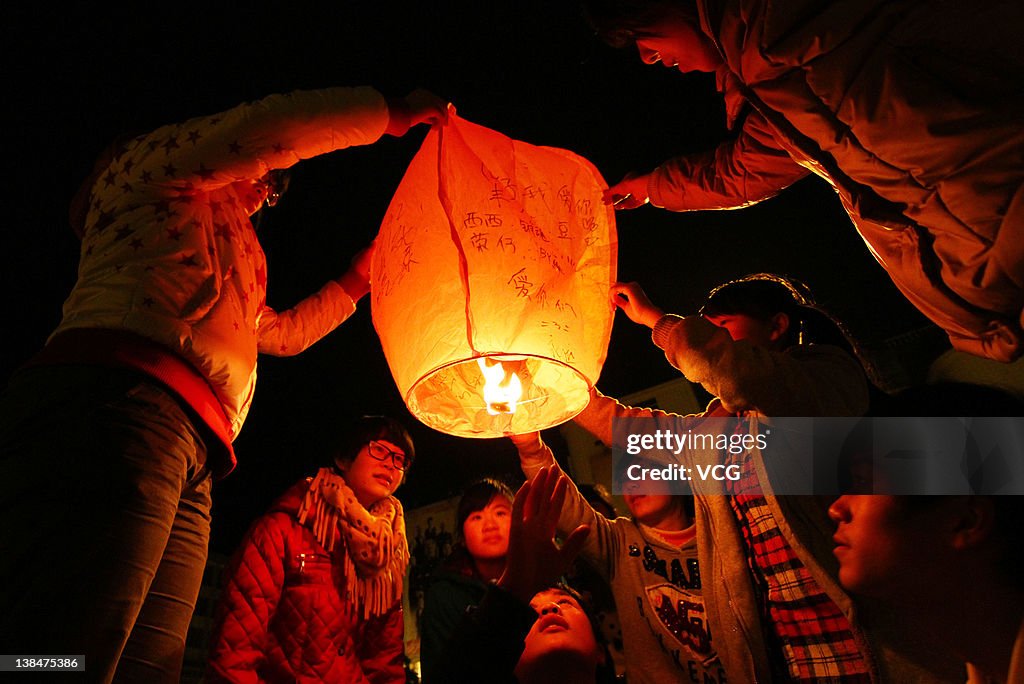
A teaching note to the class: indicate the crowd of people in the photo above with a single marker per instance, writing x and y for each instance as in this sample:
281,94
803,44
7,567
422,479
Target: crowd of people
111,435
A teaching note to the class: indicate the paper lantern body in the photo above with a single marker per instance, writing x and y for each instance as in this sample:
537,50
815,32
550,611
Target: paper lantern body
494,250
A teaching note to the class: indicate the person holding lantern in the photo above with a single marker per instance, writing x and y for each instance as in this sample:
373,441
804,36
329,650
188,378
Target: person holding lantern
315,590
483,516
910,110
111,435
764,349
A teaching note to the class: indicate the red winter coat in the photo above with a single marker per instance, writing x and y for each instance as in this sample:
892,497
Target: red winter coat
283,616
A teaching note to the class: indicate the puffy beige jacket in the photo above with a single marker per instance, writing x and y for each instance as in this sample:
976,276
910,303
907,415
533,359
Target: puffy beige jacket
912,110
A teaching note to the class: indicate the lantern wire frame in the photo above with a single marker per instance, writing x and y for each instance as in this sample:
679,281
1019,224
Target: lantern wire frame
450,397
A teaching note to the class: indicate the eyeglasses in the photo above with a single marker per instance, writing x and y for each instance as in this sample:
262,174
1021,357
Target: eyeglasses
381,452
275,182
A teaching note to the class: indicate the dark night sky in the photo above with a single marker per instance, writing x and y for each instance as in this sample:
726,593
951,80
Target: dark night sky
77,79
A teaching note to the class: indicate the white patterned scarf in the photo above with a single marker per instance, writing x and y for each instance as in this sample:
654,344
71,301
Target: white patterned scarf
376,550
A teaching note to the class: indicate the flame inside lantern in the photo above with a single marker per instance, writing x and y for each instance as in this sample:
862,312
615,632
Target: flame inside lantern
502,387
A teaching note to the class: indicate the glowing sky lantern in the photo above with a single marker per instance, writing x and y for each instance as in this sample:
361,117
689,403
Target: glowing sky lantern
490,282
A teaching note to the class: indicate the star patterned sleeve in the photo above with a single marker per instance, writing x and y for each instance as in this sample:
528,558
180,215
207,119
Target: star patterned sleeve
245,142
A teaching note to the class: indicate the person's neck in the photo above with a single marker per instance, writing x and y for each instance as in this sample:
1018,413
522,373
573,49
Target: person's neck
674,521
489,569
557,671
988,619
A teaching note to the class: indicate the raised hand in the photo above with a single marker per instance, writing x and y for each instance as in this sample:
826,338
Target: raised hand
356,280
426,107
535,561
633,301
628,193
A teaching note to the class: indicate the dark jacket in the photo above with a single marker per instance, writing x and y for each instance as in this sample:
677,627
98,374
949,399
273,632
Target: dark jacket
454,587
487,642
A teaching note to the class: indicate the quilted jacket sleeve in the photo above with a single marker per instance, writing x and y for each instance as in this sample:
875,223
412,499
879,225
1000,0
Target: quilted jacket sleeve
381,647
251,594
245,142
750,168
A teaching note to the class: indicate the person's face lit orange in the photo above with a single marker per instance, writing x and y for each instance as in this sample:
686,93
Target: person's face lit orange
371,478
885,548
743,327
677,43
485,532
562,630
651,503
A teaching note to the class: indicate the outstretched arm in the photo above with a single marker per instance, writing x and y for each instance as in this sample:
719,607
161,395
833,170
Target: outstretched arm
246,141
605,539
289,332
419,106
814,380
535,561
743,171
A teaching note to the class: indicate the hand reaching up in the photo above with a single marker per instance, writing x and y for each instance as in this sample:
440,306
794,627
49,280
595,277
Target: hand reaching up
356,280
631,298
419,106
535,561
426,107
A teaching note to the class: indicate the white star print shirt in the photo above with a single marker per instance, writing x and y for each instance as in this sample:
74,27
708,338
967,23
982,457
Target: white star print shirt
169,251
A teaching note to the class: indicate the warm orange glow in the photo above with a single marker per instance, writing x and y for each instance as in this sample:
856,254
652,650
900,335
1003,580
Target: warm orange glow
495,256
502,387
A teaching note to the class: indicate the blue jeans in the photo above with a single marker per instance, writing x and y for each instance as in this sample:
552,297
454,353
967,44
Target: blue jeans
104,521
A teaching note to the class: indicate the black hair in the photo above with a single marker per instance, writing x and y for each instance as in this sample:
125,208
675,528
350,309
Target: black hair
596,495
605,671
763,295
620,22
1007,529
368,428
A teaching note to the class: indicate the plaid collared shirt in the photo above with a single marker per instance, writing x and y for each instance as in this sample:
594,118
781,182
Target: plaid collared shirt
813,634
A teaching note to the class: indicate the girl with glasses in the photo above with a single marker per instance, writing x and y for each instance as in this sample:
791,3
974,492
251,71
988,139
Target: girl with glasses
315,590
